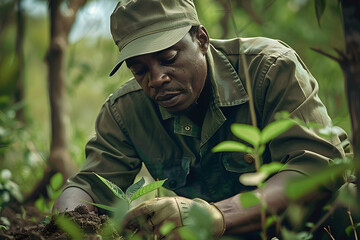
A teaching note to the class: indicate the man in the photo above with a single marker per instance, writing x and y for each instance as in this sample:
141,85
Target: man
186,92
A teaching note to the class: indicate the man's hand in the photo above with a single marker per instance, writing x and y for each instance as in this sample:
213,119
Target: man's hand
150,215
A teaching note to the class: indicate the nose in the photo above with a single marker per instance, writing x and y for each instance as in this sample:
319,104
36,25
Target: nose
157,78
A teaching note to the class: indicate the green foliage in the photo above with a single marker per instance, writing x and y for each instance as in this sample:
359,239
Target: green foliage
70,227
133,192
297,189
53,191
9,190
232,146
166,228
257,178
249,199
198,225
287,234
146,189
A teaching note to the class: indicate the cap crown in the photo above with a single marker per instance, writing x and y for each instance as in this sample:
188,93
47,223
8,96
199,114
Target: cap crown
133,19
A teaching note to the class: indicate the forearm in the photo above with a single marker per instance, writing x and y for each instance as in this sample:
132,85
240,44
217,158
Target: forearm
240,221
72,197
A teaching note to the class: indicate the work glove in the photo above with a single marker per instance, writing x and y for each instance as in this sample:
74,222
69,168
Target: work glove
151,214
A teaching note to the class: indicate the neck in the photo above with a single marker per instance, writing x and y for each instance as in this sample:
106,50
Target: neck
197,111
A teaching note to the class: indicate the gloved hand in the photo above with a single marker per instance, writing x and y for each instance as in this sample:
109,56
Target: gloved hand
151,214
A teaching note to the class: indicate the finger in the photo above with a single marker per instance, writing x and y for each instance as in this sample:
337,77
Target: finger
138,211
169,212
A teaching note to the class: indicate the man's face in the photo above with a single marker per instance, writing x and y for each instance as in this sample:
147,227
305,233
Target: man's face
174,77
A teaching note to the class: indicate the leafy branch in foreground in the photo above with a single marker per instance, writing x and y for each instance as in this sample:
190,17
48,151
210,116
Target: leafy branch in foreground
258,140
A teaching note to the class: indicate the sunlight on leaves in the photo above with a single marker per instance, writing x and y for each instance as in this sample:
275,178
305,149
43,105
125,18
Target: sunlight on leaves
253,179
274,129
247,133
232,146
113,187
134,187
257,178
146,189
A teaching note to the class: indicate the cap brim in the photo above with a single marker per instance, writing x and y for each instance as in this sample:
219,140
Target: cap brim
150,43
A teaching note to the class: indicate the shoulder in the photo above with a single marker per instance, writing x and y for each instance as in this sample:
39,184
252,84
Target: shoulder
131,87
252,46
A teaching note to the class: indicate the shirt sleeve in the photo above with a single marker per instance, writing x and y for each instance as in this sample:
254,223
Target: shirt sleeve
110,154
289,86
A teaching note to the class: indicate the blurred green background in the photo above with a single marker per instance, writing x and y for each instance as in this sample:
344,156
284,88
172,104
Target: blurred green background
24,147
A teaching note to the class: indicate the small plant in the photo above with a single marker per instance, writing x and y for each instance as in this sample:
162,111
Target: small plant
133,192
53,191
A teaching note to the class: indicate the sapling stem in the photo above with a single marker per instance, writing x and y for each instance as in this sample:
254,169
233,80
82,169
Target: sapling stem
352,224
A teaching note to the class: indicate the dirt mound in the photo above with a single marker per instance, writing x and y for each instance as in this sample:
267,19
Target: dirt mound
33,224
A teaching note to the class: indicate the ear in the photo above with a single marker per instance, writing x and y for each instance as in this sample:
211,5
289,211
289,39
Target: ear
202,38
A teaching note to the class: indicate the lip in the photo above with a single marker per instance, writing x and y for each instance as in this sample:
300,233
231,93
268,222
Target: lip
168,100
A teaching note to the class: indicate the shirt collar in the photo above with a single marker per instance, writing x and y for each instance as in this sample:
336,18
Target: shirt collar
227,86
228,89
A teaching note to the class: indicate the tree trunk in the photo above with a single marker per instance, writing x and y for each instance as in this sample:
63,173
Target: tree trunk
350,64
19,90
59,160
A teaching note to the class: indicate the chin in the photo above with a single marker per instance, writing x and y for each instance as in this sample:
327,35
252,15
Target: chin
190,109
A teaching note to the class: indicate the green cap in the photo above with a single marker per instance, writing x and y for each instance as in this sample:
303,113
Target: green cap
145,26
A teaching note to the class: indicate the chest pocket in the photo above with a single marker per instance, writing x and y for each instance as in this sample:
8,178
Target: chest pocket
174,170
238,162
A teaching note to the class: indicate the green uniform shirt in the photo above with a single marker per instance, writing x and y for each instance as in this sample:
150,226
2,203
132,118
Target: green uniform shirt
131,129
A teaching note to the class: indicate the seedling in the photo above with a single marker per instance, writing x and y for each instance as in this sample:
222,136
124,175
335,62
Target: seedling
133,192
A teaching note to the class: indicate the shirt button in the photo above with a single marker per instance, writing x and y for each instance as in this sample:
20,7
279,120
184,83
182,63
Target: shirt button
249,158
187,128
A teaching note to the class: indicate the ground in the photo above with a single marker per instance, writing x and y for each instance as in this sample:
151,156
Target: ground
32,224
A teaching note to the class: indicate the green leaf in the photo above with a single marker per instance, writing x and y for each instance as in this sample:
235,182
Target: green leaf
134,187
274,129
73,229
270,220
166,228
271,168
300,187
257,178
252,179
319,9
349,229
249,199
106,207
113,187
146,189
186,233
56,181
247,133
232,146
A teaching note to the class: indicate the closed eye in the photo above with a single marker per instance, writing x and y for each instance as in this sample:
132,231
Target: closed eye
169,61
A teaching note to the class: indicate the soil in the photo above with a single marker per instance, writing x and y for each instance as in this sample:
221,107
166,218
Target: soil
34,225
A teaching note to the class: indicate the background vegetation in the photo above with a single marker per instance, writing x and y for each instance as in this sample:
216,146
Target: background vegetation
25,143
